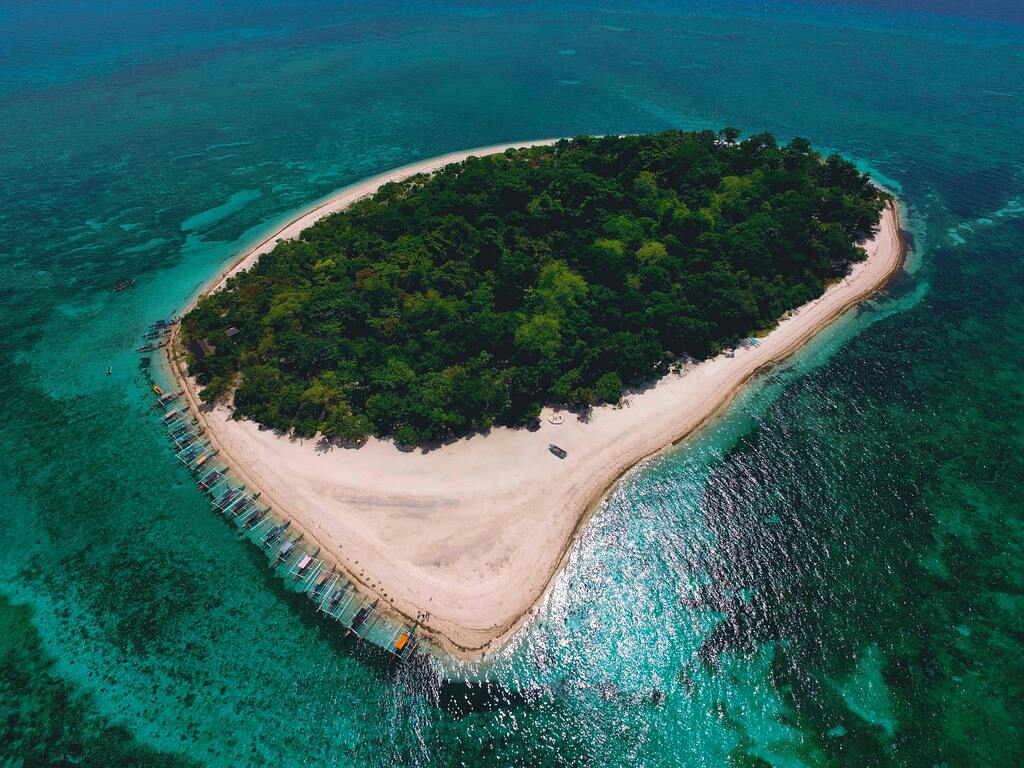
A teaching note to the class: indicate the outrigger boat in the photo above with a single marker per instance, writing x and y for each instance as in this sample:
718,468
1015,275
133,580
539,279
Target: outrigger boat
361,616
227,508
332,600
187,453
246,507
163,400
285,551
157,390
405,642
224,498
216,486
198,460
246,499
185,441
253,520
180,430
171,415
231,510
211,478
320,583
185,431
227,497
305,563
275,533
150,346
193,451
203,459
180,419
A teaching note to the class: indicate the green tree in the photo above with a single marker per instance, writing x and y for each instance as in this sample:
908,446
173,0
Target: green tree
406,436
342,424
609,387
540,335
472,296
651,252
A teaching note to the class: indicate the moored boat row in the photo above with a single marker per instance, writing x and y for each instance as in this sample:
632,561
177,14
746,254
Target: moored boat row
331,595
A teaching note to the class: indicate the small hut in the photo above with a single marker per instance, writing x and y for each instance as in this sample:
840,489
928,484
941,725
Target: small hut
201,348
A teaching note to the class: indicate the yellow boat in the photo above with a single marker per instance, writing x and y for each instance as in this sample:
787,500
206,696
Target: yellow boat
157,389
202,460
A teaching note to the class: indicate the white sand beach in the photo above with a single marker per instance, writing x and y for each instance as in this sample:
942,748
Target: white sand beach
474,531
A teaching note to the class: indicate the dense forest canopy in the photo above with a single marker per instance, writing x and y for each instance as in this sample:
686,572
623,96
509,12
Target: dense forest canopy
560,274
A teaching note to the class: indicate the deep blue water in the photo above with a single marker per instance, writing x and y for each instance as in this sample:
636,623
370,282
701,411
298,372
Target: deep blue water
828,575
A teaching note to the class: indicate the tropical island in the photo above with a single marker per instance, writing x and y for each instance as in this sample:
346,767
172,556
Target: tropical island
485,305
456,301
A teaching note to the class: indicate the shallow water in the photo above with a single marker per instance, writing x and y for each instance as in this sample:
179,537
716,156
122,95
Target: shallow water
828,575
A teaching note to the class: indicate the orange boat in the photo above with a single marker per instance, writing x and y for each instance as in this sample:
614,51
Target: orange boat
402,643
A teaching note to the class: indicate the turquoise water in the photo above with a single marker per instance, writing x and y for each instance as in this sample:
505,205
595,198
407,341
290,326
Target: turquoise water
829,575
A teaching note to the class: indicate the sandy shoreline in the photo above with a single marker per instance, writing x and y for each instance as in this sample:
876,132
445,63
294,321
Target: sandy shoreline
475,531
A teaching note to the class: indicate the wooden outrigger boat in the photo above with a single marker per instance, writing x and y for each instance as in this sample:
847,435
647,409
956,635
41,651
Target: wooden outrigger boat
248,505
227,497
285,551
235,509
331,600
211,478
404,643
186,439
190,452
320,583
361,616
215,486
165,399
230,508
227,504
306,565
180,429
275,533
203,459
174,429
224,498
184,435
253,520
180,418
